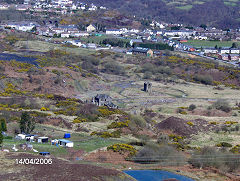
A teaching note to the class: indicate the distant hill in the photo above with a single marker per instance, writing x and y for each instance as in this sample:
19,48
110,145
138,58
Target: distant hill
219,13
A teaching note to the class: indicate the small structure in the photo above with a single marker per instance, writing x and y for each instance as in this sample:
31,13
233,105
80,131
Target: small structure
132,41
30,137
42,139
147,87
103,100
144,51
224,50
20,136
76,43
91,46
66,143
91,28
210,50
46,154
67,135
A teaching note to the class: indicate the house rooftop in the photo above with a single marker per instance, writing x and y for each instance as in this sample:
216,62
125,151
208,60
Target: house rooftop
140,49
65,141
102,96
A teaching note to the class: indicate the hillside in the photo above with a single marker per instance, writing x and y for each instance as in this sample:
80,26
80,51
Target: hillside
191,113
223,14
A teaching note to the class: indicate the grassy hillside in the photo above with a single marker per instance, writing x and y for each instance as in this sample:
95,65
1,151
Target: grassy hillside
220,13
193,103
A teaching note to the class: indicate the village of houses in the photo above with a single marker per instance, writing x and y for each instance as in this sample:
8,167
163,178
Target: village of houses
157,32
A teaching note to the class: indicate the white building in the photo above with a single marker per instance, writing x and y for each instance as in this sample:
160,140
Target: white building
210,50
182,33
65,35
4,7
66,143
76,43
42,139
224,50
21,136
235,51
113,32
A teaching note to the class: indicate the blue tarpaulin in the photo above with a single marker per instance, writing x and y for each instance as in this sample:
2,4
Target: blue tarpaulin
67,135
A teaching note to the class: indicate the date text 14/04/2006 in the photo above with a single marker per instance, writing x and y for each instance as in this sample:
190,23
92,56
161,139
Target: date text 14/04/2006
35,161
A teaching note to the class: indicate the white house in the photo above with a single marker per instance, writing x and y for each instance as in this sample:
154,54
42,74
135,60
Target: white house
224,50
91,45
26,27
66,143
58,30
79,34
76,43
235,50
21,136
65,35
4,7
30,137
42,139
113,32
132,41
91,28
210,50
200,37
134,31
183,33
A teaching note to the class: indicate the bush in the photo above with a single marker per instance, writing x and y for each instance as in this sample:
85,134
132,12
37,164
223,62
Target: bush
113,68
163,139
105,134
190,123
164,154
192,107
210,157
3,125
44,109
204,79
136,122
235,149
224,144
117,125
213,122
122,148
222,105
147,75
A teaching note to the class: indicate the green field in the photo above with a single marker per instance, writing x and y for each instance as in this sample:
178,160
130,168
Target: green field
206,43
98,39
187,7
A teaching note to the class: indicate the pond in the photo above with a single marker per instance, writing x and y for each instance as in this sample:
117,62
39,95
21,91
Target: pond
155,175
7,56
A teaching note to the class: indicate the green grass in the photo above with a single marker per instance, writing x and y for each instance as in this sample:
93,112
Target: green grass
42,46
234,1
198,2
94,143
206,43
187,7
230,3
98,39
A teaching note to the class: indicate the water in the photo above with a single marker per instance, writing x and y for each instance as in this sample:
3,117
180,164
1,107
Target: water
6,56
155,175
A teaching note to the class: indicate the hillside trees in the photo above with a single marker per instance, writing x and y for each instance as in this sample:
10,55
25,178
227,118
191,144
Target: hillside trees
3,125
1,138
27,123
